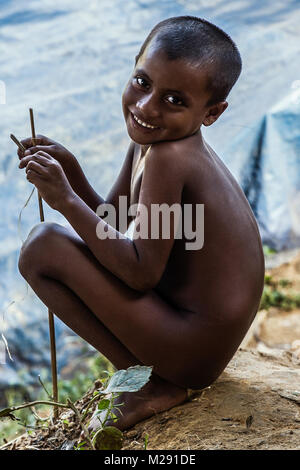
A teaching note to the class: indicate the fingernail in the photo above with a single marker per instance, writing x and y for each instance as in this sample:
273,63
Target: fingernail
27,152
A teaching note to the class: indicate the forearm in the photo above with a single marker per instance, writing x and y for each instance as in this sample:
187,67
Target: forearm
117,254
81,186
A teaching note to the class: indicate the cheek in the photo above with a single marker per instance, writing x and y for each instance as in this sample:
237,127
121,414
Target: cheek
128,95
125,101
180,120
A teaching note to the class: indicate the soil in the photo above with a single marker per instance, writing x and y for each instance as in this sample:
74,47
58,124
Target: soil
253,405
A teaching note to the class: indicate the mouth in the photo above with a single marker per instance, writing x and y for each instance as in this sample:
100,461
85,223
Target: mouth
145,126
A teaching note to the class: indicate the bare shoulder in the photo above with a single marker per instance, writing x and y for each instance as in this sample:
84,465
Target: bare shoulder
176,155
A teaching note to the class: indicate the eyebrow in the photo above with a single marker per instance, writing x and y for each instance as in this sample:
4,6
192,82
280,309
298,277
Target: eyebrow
182,93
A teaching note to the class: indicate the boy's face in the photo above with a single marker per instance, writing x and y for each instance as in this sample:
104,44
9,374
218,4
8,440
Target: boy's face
167,96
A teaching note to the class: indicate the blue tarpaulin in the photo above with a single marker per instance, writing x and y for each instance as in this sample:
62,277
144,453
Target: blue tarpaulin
70,62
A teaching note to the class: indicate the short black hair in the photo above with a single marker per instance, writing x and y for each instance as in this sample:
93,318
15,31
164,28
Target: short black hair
198,40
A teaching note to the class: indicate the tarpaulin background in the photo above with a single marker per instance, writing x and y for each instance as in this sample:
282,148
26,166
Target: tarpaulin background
70,62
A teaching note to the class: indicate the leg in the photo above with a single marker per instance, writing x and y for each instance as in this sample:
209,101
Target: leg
158,394
138,321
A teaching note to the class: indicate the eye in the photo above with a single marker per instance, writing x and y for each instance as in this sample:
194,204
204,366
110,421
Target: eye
141,82
175,100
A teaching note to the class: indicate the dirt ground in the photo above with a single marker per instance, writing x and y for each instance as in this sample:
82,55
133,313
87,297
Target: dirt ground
253,405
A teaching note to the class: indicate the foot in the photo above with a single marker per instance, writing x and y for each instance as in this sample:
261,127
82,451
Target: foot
156,396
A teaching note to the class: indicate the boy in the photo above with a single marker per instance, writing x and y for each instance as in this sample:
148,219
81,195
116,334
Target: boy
150,300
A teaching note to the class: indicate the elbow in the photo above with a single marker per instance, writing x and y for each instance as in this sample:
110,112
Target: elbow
144,275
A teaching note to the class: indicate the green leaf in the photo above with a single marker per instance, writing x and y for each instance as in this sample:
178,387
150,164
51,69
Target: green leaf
81,446
129,380
103,404
109,438
114,417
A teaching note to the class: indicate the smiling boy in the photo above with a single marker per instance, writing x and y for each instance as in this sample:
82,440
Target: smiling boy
143,300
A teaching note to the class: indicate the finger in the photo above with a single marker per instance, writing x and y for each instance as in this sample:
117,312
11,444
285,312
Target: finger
20,153
35,167
33,177
43,153
41,157
35,149
40,140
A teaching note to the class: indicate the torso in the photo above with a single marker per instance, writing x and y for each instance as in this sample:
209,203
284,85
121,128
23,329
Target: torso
225,277
138,163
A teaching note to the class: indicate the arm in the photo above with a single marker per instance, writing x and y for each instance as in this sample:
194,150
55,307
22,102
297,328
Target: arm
121,187
76,176
139,263
80,184
70,165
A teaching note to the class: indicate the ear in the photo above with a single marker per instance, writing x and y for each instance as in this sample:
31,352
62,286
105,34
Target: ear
214,112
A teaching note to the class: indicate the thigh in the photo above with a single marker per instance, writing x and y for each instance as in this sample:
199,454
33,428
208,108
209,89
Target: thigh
151,329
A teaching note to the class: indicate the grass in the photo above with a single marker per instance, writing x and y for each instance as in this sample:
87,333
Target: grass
106,436
268,250
73,388
275,294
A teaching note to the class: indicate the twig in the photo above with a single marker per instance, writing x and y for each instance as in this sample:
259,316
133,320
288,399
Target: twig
7,444
16,141
11,409
43,385
83,427
33,140
96,397
50,314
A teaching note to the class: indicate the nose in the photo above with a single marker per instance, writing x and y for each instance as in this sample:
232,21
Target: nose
148,106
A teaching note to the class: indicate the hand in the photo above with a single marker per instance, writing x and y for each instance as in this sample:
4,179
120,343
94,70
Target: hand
49,178
69,163
56,150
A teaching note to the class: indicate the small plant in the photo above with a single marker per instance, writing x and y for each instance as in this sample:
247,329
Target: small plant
285,283
92,368
274,296
106,437
268,250
130,380
146,439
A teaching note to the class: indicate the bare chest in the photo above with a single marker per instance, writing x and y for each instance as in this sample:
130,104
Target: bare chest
137,172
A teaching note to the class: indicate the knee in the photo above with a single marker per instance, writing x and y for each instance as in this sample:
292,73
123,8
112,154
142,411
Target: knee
37,247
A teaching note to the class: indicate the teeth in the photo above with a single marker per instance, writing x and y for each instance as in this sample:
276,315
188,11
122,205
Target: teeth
144,124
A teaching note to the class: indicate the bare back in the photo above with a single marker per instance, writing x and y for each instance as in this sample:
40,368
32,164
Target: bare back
223,279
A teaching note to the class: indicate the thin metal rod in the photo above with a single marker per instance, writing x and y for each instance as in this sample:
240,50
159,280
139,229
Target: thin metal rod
50,314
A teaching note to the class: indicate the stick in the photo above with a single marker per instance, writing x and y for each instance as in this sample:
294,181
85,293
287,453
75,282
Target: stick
50,314
16,141
34,143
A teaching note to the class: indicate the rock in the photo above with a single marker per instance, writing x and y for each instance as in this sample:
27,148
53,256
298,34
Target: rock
252,405
68,445
109,438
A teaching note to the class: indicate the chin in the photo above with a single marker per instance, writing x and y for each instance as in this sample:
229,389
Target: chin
141,141
138,136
